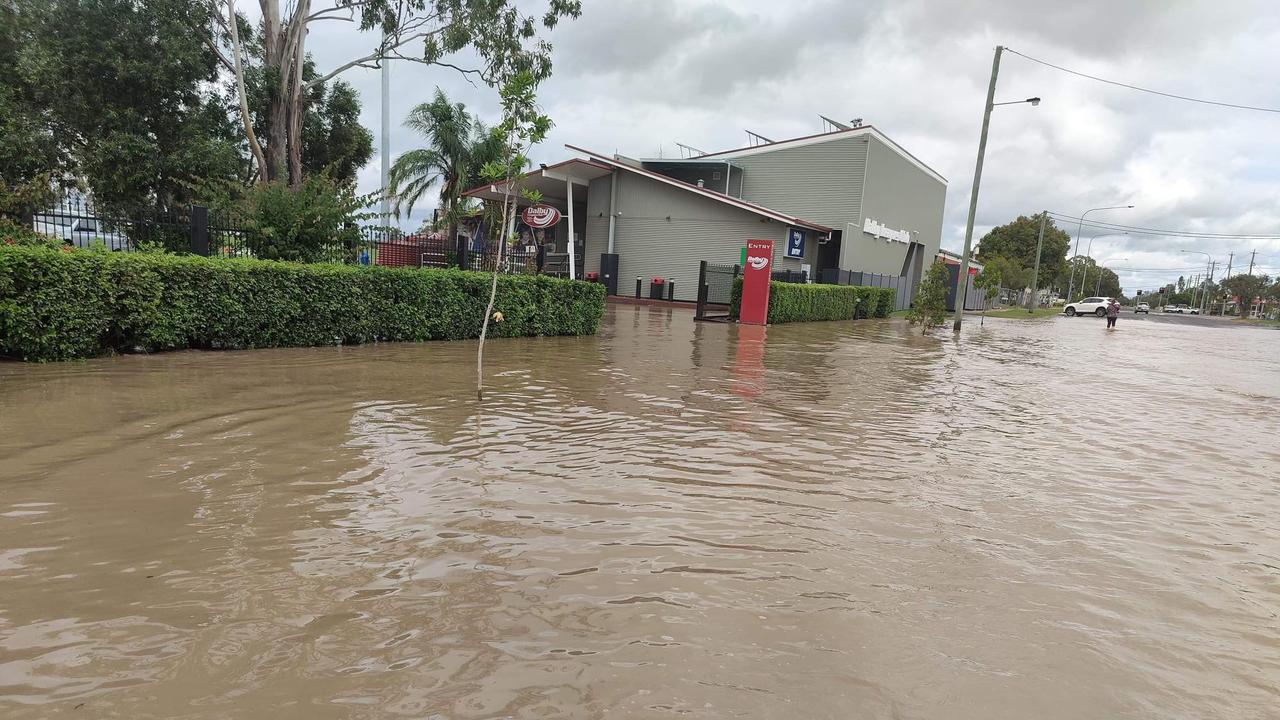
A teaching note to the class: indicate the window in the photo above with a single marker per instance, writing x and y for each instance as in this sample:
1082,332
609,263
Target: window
1093,300
87,225
715,175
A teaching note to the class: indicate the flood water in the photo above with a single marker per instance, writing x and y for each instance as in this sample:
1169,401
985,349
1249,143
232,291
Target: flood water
673,519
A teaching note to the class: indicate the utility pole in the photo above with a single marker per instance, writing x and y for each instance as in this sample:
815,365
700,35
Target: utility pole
1206,305
962,277
1252,255
1034,302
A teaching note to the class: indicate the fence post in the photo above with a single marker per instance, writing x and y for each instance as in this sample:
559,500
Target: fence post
200,230
701,307
671,289
460,243
637,288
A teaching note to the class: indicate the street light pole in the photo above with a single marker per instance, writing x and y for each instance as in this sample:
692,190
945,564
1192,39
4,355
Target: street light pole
1080,226
1097,286
1034,302
962,277
1208,261
385,142
1088,253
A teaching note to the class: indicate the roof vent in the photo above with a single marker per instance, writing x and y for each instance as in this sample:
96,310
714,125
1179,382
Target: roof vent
856,122
700,183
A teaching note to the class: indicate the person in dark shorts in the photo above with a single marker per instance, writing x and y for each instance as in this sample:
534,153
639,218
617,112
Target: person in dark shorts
1113,313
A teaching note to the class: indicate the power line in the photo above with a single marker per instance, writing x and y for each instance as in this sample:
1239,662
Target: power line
1138,229
1145,90
1153,269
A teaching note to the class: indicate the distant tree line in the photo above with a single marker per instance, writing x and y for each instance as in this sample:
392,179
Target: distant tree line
1010,251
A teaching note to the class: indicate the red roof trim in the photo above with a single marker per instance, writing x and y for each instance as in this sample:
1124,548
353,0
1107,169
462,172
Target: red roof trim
743,204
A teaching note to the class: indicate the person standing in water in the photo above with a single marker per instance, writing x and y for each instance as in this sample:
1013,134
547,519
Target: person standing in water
1113,313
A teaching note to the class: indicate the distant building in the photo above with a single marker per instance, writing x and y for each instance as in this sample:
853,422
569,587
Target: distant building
848,200
974,298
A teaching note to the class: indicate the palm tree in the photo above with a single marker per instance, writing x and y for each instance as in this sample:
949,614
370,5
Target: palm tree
458,145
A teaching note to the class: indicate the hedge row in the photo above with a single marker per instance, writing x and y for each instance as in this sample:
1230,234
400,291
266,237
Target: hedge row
798,302
58,305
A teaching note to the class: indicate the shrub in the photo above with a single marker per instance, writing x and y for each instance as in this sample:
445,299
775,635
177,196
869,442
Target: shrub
57,305
929,309
12,233
798,302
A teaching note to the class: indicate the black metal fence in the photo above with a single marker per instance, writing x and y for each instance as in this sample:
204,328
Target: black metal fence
221,233
77,223
715,290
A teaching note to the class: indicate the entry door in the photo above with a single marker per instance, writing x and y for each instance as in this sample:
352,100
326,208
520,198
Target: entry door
829,253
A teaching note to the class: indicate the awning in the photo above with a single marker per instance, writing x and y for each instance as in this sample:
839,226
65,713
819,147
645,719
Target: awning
550,180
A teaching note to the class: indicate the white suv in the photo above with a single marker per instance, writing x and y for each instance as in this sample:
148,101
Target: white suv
1088,306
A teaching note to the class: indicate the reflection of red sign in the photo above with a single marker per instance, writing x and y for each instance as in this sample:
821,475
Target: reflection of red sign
755,283
748,361
541,216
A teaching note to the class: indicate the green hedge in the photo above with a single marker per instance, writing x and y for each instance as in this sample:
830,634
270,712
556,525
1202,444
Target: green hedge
798,302
60,304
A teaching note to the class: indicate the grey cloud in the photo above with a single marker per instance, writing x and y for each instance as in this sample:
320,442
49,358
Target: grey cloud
636,76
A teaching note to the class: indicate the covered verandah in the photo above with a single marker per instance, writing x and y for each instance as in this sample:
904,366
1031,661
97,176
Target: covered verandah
563,186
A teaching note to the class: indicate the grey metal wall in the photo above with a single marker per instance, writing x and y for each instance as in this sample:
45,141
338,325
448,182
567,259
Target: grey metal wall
597,233
821,182
665,231
902,196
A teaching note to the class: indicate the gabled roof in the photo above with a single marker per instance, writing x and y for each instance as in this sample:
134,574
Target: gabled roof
706,192
822,138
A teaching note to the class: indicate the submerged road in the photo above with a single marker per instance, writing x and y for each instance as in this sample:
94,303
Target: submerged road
832,520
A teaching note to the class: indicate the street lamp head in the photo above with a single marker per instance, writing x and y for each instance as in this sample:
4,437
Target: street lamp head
1034,101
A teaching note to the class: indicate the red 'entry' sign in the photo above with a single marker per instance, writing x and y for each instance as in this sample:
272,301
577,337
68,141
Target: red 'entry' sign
755,283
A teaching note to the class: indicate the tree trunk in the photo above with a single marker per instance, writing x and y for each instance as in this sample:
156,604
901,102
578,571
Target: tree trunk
254,146
277,136
297,102
277,105
297,109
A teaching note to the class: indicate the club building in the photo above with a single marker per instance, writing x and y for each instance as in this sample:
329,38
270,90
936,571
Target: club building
850,200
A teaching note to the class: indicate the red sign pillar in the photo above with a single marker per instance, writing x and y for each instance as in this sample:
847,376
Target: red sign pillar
755,283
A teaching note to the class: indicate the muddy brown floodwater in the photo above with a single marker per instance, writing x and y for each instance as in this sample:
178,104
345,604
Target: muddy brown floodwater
1044,520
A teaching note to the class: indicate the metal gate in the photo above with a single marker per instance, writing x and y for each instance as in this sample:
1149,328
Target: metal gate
715,290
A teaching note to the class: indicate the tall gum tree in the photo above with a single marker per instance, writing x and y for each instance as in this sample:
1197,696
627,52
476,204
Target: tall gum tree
503,38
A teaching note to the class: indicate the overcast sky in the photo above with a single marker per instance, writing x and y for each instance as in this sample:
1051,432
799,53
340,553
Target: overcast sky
636,77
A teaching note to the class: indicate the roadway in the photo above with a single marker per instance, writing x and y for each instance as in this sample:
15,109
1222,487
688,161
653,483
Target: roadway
1176,318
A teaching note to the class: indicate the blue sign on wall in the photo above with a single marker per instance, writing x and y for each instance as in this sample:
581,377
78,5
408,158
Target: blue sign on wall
795,243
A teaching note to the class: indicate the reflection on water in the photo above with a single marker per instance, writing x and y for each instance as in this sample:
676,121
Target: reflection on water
819,521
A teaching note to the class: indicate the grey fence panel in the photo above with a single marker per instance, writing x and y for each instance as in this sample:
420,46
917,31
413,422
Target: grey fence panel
898,283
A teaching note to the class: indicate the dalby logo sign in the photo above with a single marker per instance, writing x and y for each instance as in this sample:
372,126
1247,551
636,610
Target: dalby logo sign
758,263
540,216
